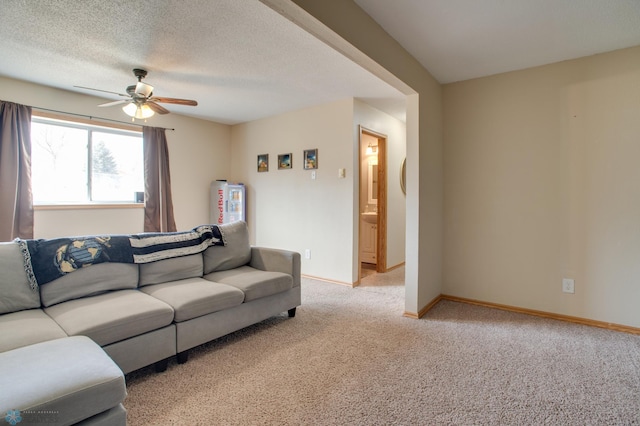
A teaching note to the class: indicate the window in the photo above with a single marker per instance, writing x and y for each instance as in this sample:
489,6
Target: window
75,163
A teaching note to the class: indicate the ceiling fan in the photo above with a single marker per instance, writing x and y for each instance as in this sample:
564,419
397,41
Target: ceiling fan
140,102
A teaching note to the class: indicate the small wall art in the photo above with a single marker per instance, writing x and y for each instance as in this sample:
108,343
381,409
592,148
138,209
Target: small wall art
310,159
263,163
284,161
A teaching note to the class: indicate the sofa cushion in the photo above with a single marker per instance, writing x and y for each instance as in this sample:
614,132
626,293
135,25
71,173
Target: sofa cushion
15,292
254,283
62,381
111,317
195,297
236,251
89,281
173,269
27,327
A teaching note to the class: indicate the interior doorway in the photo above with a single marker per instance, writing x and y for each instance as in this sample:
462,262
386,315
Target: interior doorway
372,237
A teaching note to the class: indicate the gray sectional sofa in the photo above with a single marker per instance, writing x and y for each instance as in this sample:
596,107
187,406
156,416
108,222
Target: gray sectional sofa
143,314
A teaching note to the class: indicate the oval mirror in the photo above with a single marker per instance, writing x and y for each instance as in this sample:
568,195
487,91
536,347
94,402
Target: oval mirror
403,176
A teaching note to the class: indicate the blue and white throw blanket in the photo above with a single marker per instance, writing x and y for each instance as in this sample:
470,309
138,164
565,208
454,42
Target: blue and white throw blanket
47,260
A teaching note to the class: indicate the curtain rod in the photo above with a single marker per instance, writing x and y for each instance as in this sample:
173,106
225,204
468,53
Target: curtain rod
98,118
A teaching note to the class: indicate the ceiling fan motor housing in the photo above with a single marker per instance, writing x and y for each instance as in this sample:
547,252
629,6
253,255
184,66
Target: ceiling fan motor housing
139,73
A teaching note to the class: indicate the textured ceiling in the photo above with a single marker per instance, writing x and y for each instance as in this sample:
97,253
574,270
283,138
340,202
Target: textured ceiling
463,39
239,59
242,61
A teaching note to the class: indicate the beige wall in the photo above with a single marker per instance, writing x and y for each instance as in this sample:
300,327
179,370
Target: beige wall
350,30
287,208
290,210
199,152
541,183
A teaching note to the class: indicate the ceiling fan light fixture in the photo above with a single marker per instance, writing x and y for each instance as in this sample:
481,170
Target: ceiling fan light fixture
144,89
138,111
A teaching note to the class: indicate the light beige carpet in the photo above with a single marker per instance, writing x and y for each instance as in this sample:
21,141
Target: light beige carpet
350,358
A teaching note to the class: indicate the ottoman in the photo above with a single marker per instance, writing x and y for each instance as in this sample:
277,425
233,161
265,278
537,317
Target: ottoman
63,382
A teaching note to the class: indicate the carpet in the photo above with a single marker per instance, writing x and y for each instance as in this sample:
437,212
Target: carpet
350,358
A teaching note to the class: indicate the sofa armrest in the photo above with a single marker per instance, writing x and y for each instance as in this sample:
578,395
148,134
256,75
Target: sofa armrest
276,260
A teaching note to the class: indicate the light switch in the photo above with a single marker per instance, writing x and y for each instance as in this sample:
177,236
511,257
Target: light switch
341,173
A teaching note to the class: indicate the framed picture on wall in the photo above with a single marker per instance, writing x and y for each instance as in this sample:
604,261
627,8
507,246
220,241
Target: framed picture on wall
263,163
310,159
284,161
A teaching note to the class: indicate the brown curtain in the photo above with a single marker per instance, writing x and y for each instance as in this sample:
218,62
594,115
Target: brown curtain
158,209
16,199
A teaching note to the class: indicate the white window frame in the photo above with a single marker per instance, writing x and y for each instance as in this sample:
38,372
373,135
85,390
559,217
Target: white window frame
90,125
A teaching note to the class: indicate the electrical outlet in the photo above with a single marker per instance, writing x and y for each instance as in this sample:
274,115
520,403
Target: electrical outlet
568,285
307,254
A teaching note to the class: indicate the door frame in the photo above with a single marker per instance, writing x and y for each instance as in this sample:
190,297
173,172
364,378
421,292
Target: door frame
381,235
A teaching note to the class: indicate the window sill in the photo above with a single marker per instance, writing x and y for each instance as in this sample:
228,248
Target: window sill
88,206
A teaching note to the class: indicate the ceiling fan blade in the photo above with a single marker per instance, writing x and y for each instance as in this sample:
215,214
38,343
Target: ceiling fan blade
175,101
144,89
157,108
100,90
108,104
